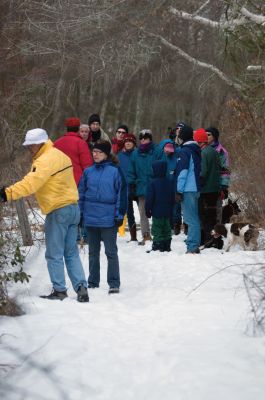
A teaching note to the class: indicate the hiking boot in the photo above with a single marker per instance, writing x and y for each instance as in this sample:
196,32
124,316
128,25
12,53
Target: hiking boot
194,251
167,245
162,246
145,239
55,295
113,290
156,246
82,294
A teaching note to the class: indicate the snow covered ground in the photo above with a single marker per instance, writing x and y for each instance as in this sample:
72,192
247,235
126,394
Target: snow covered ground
171,334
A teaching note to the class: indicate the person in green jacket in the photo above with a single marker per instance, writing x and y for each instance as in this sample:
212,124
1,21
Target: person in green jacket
210,181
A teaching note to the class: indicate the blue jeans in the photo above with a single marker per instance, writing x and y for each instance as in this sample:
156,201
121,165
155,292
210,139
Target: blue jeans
109,238
60,239
191,217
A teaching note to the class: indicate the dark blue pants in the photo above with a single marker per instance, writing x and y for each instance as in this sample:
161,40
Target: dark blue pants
109,238
130,213
176,215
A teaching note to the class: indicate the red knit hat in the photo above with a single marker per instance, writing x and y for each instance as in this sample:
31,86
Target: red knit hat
69,122
129,137
200,136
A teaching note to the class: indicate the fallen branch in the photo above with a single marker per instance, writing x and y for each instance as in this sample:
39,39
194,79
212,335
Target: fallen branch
219,271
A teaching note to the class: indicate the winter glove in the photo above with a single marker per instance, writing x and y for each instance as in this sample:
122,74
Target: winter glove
178,197
118,222
3,197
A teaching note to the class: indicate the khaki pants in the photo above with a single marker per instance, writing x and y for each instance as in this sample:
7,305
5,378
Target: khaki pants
144,221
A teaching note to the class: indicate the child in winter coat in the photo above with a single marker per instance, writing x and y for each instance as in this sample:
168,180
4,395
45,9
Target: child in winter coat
103,204
159,204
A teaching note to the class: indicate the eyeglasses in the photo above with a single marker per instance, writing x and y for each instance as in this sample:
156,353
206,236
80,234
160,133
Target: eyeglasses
121,132
97,151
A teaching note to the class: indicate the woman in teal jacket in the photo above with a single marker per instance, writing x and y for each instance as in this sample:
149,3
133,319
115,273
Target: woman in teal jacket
139,174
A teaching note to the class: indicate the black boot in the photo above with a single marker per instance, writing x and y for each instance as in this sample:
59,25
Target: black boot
156,246
167,245
82,294
162,246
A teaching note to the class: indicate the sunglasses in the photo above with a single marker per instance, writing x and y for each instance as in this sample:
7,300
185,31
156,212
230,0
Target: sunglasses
121,132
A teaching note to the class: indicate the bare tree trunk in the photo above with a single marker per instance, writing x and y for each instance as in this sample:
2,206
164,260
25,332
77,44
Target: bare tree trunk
104,103
139,106
57,104
118,116
24,223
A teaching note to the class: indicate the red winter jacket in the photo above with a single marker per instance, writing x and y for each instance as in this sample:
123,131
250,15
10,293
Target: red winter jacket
76,148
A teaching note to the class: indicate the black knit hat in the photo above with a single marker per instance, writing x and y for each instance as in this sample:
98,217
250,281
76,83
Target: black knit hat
214,131
186,133
94,118
104,146
124,127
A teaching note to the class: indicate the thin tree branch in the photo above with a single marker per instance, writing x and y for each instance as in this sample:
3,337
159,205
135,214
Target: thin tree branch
198,63
208,22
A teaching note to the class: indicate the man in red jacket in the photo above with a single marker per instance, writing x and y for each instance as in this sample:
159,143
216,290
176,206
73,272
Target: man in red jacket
72,144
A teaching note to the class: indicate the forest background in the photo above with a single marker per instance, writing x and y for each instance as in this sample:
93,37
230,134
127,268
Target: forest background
146,63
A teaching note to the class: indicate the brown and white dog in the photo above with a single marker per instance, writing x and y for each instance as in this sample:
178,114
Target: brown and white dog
244,234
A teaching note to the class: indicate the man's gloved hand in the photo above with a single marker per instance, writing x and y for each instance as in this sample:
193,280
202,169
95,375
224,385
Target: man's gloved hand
178,197
3,197
118,222
224,192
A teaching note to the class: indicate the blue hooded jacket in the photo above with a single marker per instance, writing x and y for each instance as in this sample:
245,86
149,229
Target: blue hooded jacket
102,195
188,168
160,197
171,159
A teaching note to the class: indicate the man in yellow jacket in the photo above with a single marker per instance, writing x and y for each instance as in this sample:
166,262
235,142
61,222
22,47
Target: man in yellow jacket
52,181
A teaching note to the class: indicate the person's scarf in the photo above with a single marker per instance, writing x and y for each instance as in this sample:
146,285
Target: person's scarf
145,147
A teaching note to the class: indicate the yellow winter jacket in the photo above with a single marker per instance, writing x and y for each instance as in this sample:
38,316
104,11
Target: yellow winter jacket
51,179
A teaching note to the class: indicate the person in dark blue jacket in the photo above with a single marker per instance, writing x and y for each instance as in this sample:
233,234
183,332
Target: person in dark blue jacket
188,185
124,156
168,151
159,204
103,204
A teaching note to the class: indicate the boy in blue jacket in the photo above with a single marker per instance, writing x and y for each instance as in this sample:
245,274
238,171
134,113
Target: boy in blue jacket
159,204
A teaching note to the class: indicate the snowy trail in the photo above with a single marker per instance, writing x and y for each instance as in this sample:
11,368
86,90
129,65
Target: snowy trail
158,339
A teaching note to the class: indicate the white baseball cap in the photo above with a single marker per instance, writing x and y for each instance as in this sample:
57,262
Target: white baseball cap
35,136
